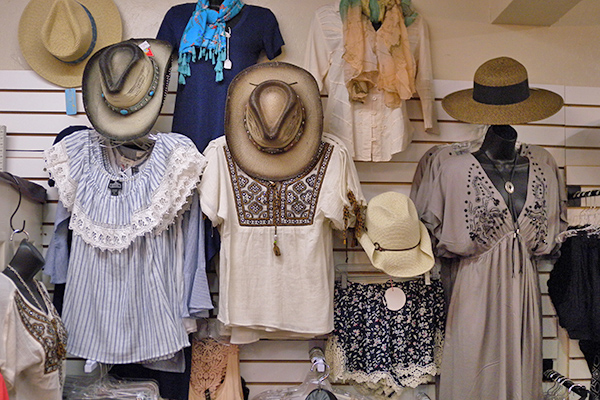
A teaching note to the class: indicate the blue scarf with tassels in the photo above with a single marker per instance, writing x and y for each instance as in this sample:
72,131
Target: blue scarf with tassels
204,36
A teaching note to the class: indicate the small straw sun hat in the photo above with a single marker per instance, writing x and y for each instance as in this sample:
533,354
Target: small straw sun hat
395,240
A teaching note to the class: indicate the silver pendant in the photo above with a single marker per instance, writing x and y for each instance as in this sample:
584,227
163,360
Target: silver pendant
510,188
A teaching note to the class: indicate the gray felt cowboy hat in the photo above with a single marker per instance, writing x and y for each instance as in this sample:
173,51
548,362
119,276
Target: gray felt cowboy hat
124,87
501,96
273,120
57,37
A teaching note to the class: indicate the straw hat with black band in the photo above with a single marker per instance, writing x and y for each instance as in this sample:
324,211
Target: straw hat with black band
501,96
395,240
124,87
273,120
58,37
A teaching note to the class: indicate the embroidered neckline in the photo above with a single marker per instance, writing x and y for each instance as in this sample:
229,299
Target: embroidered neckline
291,202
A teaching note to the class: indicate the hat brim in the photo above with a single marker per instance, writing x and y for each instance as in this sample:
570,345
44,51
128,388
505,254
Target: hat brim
249,158
132,126
541,104
109,31
401,264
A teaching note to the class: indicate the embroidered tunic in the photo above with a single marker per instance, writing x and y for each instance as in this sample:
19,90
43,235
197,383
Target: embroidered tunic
260,292
371,131
126,285
493,342
32,346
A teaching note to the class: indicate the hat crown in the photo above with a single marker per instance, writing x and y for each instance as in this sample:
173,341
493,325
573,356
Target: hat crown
126,74
392,221
501,71
68,31
274,116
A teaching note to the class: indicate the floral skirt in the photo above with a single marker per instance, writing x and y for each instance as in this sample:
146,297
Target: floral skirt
380,350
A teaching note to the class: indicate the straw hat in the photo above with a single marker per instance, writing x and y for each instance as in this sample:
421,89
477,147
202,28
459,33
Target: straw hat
273,120
58,37
501,96
124,87
395,240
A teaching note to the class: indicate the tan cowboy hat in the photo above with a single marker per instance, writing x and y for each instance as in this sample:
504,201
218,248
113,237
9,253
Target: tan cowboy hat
273,120
58,37
395,240
124,87
501,96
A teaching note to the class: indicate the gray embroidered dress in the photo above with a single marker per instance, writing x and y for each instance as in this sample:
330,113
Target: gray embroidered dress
493,343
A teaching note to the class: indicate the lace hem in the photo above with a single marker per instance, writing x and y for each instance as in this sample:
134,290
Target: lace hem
380,385
167,203
57,162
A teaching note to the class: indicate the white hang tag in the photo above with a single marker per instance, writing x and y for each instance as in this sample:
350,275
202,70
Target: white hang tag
227,63
395,298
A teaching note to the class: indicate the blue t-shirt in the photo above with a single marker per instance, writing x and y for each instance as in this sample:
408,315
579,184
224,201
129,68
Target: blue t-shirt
200,103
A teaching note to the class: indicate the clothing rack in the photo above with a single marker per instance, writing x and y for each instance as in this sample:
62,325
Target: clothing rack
570,385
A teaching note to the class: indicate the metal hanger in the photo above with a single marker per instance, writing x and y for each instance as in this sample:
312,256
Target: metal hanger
14,230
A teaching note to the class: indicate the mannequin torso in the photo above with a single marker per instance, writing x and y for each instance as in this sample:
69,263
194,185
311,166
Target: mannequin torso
502,163
27,262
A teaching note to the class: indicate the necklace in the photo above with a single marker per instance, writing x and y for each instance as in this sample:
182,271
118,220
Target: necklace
508,184
14,271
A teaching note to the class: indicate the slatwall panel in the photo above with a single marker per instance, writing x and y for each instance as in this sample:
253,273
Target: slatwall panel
33,112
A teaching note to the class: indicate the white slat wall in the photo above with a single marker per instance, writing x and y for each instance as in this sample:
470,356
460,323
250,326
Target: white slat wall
34,112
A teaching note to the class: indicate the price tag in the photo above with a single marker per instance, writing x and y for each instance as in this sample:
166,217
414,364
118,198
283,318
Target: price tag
395,298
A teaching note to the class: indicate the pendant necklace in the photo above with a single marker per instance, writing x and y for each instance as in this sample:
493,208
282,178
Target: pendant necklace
508,184
14,271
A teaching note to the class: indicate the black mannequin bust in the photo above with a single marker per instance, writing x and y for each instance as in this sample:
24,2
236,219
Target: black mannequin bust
27,262
501,161
216,4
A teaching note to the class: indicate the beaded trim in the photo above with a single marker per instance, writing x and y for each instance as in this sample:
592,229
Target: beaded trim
142,103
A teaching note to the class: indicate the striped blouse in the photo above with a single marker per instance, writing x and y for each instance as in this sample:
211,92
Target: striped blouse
134,259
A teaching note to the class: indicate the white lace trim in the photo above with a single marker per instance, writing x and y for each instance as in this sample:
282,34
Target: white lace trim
381,385
57,161
167,203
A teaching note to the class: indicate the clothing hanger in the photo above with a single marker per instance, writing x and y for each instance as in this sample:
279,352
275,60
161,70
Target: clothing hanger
316,378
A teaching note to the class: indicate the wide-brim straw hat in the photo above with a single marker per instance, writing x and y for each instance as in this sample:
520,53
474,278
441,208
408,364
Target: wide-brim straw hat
501,96
113,74
58,37
395,240
274,102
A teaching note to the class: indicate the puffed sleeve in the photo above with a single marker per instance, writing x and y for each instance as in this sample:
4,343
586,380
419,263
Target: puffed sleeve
344,198
213,196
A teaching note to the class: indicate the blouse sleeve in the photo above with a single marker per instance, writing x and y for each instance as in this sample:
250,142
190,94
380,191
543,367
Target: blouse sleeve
57,256
8,341
272,39
213,199
173,24
66,161
344,198
424,78
320,46
196,290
